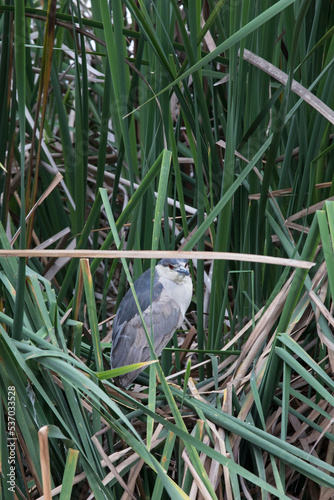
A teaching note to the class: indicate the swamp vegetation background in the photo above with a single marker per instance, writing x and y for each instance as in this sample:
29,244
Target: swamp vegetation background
194,125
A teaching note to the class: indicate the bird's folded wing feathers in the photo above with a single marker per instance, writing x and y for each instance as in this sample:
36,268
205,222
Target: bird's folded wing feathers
128,309
166,318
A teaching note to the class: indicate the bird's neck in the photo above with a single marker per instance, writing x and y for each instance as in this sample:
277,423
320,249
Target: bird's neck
179,294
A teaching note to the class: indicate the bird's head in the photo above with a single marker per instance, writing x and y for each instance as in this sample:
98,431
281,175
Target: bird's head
173,269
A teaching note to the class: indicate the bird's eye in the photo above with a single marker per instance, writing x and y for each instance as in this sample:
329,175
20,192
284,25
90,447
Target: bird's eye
171,266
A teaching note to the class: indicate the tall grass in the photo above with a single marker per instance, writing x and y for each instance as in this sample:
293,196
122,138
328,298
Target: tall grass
165,125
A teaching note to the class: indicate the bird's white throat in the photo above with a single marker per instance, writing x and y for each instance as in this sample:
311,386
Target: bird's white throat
171,281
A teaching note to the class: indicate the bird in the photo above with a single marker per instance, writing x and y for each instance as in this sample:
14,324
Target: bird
171,297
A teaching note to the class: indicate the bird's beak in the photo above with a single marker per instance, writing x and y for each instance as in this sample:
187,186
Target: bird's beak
183,270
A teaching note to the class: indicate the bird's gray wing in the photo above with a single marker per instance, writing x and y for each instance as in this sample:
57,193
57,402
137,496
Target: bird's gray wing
128,308
132,346
166,318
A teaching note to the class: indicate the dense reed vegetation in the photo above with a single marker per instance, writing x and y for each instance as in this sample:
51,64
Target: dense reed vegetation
196,126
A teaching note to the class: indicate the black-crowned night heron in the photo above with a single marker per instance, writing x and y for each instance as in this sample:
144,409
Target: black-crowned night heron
171,296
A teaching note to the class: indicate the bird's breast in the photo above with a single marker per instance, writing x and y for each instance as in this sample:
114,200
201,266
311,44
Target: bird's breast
180,293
